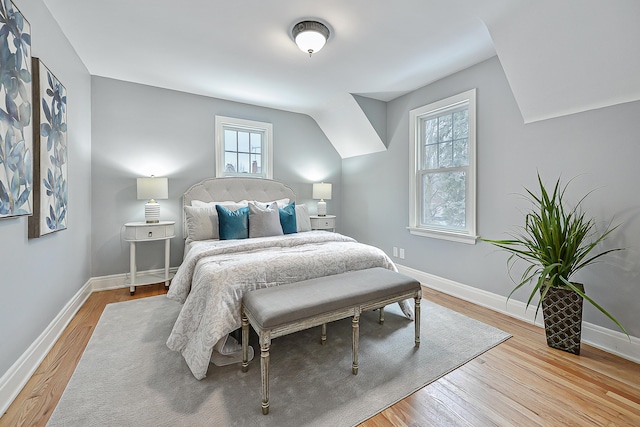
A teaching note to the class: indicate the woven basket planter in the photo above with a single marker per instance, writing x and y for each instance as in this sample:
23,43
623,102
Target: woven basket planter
562,309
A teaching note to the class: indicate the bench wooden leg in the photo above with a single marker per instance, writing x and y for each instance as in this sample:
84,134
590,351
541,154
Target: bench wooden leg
265,342
417,320
381,319
356,337
323,339
245,342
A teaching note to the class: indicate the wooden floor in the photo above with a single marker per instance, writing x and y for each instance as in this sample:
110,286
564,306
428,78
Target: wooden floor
521,382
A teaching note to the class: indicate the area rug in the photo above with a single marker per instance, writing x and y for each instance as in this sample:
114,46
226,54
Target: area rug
128,377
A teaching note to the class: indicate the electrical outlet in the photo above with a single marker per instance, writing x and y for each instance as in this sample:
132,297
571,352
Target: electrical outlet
395,251
401,253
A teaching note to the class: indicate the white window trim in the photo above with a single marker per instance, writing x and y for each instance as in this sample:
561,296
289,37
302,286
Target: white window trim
414,227
267,154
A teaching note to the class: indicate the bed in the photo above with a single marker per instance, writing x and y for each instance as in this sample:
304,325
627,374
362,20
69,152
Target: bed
216,271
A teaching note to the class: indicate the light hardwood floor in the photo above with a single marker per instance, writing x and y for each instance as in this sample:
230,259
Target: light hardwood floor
521,382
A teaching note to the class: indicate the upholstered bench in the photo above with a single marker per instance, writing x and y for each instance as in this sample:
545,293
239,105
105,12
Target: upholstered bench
282,310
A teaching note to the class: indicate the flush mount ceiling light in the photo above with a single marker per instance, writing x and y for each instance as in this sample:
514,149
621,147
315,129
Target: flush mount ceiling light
310,36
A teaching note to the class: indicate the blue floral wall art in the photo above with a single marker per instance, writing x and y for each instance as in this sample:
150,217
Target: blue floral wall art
50,152
16,135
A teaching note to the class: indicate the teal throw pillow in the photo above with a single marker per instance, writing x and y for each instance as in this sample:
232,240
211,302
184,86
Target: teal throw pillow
288,218
233,224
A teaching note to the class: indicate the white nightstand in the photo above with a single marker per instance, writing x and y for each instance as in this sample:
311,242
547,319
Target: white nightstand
327,222
147,232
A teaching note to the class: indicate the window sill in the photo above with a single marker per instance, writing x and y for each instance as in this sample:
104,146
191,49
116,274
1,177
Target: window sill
444,235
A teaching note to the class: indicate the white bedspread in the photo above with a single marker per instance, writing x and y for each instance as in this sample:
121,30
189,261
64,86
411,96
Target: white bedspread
215,274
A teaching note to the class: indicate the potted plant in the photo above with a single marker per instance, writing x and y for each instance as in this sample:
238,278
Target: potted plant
556,241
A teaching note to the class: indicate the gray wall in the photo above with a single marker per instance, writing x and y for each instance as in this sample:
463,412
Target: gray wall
600,147
141,130
39,276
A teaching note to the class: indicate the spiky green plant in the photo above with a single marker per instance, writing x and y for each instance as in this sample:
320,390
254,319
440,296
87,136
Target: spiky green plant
556,241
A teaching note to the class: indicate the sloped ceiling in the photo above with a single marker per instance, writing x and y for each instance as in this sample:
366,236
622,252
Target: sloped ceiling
564,57
558,59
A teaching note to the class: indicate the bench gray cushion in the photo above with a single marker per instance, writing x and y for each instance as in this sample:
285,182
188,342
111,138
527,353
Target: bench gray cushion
283,304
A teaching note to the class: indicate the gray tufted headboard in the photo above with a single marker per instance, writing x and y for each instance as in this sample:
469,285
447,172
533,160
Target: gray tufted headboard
236,189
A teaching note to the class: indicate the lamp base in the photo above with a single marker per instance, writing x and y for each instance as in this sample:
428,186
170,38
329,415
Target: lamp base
322,208
152,213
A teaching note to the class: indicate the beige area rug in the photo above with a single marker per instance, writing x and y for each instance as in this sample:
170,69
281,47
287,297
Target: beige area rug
128,377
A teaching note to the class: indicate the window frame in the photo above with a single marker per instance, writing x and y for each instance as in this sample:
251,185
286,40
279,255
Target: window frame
266,129
416,117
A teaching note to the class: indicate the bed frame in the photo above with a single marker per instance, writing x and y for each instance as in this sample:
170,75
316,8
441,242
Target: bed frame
235,189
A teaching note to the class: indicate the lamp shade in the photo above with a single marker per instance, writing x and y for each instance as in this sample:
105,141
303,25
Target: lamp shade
310,36
322,190
153,188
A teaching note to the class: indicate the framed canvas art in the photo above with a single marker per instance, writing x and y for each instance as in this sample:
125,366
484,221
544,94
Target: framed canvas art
16,135
50,171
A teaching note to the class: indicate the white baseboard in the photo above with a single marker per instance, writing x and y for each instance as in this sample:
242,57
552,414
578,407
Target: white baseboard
19,373
117,281
611,341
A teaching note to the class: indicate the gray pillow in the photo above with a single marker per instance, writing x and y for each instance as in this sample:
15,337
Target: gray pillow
264,222
202,223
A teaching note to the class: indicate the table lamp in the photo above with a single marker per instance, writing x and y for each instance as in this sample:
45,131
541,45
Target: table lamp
322,191
151,189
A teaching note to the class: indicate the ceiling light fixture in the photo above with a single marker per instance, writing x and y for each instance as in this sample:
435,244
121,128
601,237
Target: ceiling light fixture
310,36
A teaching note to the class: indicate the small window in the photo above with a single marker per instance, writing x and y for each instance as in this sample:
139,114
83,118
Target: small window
243,148
442,184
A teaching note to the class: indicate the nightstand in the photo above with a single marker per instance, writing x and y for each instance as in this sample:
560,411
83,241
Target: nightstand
147,232
327,222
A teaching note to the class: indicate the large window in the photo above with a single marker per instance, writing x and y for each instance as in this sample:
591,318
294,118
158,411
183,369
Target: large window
243,148
443,173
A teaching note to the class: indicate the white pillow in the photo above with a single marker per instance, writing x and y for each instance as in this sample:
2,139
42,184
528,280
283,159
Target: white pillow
202,221
302,218
264,222
201,204
281,203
